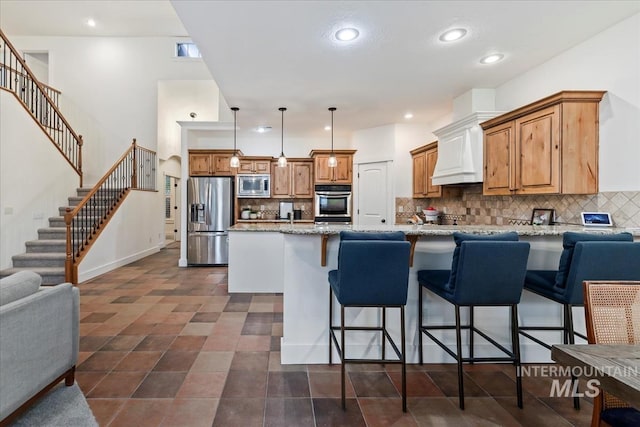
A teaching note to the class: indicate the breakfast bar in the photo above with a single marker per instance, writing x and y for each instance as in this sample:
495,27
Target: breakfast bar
288,258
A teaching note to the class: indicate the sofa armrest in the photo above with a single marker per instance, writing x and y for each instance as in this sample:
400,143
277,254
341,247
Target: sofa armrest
38,342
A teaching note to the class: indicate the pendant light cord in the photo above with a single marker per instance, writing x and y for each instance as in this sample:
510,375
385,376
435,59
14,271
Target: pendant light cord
235,110
332,109
282,110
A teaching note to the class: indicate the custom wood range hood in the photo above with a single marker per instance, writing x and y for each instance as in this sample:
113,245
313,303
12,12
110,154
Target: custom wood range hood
460,155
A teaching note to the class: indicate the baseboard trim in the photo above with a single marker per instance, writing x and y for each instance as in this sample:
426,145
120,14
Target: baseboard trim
83,276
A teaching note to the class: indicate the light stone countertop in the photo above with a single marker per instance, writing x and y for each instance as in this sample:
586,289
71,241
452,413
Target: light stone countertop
429,230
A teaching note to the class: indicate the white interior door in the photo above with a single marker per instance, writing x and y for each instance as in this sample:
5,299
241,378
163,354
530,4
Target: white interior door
373,194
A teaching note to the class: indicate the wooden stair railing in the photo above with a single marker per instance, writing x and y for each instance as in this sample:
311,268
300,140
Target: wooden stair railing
38,100
135,170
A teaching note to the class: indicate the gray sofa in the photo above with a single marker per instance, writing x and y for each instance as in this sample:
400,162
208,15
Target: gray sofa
38,339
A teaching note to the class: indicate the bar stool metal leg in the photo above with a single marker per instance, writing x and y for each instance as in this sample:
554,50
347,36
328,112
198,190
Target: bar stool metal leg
420,323
459,358
330,324
515,345
404,360
471,334
342,355
570,339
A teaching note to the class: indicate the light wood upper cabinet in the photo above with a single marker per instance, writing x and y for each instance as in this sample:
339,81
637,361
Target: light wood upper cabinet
424,163
341,174
419,175
255,165
293,181
210,162
548,147
200,164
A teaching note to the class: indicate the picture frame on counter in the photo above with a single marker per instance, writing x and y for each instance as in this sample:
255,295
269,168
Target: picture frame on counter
541,216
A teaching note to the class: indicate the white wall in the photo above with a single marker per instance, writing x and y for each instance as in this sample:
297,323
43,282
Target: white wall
609,61
129,236
35,179
110,89
109,95
176,100
267,144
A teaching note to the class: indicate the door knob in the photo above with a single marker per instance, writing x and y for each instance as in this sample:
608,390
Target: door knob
383,220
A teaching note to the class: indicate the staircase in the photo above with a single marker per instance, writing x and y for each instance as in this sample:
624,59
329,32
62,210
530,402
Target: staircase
46,256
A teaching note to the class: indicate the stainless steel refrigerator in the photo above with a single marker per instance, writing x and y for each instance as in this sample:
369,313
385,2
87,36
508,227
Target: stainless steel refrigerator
210,204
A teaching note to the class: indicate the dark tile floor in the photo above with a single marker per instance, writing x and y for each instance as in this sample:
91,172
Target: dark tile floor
168,346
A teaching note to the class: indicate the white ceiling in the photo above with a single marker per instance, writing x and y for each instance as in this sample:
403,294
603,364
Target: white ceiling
268,54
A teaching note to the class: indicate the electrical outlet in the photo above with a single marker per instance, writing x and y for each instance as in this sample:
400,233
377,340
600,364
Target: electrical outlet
418,209
8,210
400,209
261,207
38,215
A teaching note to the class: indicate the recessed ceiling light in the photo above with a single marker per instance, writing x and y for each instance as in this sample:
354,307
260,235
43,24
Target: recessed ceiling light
327,127
347,34
452,35
263,129
408,116
493,58
91,22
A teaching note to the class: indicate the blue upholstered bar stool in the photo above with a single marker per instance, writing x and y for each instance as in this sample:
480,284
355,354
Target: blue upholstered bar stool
585,256
485,271
373,271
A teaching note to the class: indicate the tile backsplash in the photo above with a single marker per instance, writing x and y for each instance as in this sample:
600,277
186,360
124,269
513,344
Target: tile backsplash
270,208
474,208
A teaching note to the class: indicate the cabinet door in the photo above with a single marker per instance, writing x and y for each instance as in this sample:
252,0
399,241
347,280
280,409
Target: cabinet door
280,181
498,157
261,166
199,164
246,166
419,173
538,152
301,179
343,172
431,159
222,164
323,172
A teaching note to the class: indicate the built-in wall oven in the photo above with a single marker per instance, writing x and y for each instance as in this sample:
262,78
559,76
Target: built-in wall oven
333,203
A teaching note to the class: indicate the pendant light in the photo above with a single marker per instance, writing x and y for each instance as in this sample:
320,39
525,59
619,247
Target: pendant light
235,161
333,162
282,160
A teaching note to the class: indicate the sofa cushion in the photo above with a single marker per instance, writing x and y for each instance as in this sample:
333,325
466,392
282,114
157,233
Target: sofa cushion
569,240
18,285
458,238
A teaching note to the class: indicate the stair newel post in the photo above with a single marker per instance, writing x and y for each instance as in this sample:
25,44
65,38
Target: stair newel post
80,142
134,165
68,262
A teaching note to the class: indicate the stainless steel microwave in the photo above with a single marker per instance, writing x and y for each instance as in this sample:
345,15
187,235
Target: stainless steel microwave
251,185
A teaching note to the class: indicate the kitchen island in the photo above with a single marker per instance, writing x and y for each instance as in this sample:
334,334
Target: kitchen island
288,259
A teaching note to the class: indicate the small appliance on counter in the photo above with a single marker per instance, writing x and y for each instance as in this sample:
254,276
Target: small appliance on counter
286,210
430,215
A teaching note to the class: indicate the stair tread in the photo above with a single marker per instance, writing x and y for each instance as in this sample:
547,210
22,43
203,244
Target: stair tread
46,242
43,270
52,255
